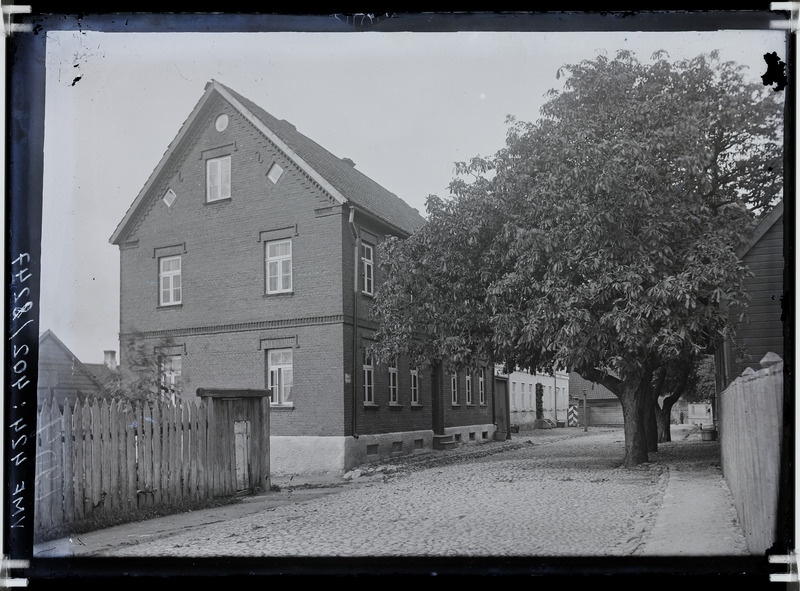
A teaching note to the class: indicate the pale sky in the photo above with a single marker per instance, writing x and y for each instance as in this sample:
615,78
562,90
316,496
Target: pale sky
403,106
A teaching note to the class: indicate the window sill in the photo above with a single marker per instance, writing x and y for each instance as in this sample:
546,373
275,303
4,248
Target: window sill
396,404
213,201
470,404
282,407
368,295
279,294
370,405
416,406
170,306
456,405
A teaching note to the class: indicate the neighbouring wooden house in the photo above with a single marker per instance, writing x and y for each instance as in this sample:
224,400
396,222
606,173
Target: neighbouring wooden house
604,409
762,331
250,260
61,374
522,387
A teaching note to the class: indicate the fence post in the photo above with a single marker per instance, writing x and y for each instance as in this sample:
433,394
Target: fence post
585,413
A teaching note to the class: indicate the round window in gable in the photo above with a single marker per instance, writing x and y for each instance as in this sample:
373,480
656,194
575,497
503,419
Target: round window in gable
222,122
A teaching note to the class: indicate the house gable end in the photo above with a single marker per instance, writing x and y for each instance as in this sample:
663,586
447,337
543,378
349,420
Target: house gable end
762,228
200,119
51,347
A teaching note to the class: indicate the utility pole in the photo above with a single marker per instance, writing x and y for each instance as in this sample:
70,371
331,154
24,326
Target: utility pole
585,414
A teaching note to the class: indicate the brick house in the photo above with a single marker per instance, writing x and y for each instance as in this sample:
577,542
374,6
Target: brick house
250,260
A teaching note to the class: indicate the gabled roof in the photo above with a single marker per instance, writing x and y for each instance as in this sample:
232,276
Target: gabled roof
48,335
336,176
102,372
577,384
762,228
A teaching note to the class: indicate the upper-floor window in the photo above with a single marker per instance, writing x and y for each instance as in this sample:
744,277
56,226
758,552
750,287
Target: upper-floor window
454,387
169,280
393,383
280,375
218,178
170,376
414,386
514,405
369,391
481,387
279,266
468,387
367,262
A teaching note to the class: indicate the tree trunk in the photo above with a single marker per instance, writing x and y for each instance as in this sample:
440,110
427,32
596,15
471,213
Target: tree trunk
663,415
633,417
650,422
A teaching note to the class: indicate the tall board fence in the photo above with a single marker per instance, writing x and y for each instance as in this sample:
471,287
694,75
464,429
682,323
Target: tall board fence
104,458
751,430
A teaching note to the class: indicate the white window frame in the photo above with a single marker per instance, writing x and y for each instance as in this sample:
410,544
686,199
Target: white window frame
278,262
481,387
369,379
280,376
393,398
169,376
468,387
514,404
454,388
174,294
367,268
414,386
219,168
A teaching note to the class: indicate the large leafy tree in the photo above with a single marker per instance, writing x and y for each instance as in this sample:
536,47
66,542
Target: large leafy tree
602,237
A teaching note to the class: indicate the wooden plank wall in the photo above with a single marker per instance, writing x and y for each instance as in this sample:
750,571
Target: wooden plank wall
751,430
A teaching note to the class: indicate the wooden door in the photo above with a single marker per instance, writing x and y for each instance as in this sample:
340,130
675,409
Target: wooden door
501,410
241,434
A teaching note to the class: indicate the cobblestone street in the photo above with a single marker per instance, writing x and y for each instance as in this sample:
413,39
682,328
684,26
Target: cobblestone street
559,492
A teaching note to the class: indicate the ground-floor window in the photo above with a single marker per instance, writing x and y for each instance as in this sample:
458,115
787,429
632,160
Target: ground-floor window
414,386
281,375
393,383
369,392
170,376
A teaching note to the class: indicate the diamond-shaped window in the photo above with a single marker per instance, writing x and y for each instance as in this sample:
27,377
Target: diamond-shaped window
169,197
275,172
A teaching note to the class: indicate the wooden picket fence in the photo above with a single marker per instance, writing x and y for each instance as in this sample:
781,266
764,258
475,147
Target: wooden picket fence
751,430
102,457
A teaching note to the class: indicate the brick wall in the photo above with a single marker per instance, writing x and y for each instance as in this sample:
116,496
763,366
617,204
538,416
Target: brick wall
222,243
238,360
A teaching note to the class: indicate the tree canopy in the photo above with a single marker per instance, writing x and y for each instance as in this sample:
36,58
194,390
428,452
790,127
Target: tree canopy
602,238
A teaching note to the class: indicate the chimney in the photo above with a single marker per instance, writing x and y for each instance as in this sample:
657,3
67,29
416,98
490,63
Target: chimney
348,161
110,359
